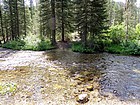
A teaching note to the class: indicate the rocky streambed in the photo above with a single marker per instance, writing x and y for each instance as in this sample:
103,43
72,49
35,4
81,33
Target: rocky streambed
62,77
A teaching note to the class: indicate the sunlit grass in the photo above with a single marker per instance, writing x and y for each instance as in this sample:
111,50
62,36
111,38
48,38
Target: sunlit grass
6,88
31,42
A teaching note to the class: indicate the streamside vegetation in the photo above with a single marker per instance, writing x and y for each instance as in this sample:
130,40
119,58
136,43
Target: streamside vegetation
90,25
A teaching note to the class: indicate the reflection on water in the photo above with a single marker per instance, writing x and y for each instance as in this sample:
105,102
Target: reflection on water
69,57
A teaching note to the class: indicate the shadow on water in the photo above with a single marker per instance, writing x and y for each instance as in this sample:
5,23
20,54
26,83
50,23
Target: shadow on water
6,52
75,62
69,57
81,69
118,76
65,74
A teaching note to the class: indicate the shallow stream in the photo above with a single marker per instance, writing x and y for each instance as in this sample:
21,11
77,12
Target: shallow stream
57,77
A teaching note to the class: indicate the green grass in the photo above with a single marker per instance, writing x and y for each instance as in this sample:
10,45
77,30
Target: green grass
22,45
15,45
7,88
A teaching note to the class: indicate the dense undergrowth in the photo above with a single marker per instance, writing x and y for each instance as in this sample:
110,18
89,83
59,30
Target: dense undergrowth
29,43
128,48
78,47
120,44
114,42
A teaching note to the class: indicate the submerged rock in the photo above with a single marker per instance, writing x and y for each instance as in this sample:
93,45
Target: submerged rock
82,98
90,87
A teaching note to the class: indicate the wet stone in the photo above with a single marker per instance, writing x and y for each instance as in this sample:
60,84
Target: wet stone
90,87
28,97
82,90
82,98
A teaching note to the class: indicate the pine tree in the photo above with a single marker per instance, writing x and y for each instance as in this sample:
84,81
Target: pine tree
45,16
64,17
53,23
81,12
98,17
22,18
24,12
91,18
16,21
1,20
6,20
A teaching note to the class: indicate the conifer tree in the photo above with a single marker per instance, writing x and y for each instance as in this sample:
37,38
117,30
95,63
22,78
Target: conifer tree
45,15
64,17
53,22
91,18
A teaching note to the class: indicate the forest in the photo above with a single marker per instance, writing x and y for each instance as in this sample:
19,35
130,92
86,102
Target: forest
91,26
69,52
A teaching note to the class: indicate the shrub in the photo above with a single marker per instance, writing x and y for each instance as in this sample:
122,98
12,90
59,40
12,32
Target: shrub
44,45
15,44
78,47
115,49
31,42
128,48
132,47
117,33
137,31
8,88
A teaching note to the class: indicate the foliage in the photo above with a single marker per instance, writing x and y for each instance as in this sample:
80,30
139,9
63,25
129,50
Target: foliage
138,30
118,44
117,33
132,47
90,19
115,49
7,88
14,44
129,48
79,47
31,42
64,12
44,45
45,17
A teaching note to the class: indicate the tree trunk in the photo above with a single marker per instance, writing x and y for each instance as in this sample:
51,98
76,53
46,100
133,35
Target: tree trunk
17,19
126,20
85,34
11,20
31,8
84,38
2,32
53,22
110,12
24,18
6,28
138,21
62,10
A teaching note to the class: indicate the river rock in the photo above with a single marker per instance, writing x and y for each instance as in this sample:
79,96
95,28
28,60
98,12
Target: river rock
90,87
82,98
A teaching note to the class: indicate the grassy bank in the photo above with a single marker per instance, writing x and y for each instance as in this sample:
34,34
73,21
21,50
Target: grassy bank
22,45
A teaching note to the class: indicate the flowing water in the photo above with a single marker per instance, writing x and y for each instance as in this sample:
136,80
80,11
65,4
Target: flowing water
57,77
